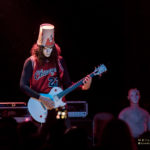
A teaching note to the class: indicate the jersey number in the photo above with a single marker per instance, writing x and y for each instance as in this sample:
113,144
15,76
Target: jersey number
53,81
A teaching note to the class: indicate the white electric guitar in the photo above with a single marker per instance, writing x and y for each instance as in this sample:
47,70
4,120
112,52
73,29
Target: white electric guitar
37,109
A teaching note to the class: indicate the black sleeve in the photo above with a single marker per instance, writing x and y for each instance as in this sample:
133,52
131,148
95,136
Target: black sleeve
25,79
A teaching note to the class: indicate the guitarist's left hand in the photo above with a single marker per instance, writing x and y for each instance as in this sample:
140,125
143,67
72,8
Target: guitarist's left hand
87,82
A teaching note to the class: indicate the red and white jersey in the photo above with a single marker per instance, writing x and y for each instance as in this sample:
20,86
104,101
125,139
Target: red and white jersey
45,77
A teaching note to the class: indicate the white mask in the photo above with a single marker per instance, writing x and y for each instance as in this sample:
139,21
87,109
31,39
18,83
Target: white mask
47,51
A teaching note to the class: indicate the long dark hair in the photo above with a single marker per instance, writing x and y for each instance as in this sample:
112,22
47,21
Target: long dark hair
37,51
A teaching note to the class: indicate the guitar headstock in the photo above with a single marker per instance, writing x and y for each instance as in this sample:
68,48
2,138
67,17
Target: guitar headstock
100,69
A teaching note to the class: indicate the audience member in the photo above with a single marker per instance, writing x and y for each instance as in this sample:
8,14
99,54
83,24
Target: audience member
99,122
137,118
117,135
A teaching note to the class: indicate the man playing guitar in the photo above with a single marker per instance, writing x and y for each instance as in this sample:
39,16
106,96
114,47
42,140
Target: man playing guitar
46,69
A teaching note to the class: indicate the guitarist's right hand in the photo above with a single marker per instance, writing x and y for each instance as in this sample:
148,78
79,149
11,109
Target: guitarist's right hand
48,103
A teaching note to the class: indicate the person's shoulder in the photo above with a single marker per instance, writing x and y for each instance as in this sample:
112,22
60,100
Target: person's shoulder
60,58
31,58
124,111
144,111
29,61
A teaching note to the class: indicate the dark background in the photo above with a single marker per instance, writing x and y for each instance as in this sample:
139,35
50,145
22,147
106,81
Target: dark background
115,33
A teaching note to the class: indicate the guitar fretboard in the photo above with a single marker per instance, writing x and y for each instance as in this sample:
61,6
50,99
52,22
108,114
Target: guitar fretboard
73,87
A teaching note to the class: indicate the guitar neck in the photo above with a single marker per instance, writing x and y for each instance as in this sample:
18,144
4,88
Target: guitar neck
73,87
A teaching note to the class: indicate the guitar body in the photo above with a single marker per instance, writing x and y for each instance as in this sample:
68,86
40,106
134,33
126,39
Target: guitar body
38,111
